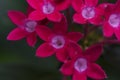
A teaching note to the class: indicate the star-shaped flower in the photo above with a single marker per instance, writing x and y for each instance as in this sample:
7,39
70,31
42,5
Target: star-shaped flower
87,11
57,40
25,28
83,65
48,9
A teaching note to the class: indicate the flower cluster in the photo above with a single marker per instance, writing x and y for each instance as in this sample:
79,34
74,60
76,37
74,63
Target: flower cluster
78,61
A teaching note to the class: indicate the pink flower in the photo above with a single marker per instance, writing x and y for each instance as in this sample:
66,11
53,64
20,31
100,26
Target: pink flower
87,11
58,41
47,9
112,20
83,65
25,28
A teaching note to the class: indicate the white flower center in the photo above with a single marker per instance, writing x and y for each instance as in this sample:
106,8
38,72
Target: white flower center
88,12
58,42
80,65
48,8
114,20
30,25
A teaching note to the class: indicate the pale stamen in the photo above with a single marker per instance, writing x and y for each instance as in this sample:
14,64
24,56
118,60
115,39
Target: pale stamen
80,65
58,42
114,20
29,25
48,8
88,12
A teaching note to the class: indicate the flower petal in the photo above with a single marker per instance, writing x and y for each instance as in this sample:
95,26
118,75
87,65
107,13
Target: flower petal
62,4
67,68
91,2
62,55
95,71
94,52
17,17
74,36
32,39
34,3
79,19
17,34
77,4
61,27
44,32
107,30
97,19
79,76
45,50
29,10
117,6
117,33
55,16
37,15
74,49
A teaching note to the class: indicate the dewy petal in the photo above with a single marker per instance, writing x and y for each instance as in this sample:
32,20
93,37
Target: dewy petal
17,17
79,76
62,4
91,2
37,15
55,16
67,68
45,50
117,33
107,30
62,26
79,19
32,39
94,52
17,34
77,4
44,32
74,36
62,55
96,72
34,3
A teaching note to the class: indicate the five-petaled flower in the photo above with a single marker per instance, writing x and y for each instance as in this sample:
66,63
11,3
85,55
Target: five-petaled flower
25,28
48,9
57,40
87,11
112,20
83,65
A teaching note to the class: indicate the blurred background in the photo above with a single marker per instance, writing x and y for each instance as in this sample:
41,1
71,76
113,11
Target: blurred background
18,60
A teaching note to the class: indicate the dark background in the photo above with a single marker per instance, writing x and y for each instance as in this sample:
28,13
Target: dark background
18,60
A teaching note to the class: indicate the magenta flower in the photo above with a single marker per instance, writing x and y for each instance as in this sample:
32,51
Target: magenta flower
112,20
47,9
58,41
87,11
25,28
83,65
